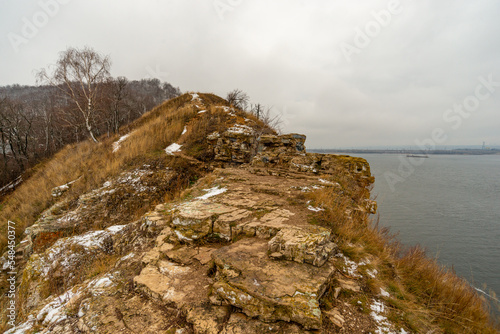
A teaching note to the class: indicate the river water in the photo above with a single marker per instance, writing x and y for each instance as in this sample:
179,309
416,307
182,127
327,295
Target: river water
449,204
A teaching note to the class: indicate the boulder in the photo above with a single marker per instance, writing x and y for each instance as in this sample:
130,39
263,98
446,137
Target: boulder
311,246
269,290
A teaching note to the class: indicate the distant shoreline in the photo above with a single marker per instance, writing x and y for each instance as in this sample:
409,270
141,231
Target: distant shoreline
412,152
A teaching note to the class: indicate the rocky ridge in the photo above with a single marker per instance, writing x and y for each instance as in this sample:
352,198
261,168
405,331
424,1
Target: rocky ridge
238,252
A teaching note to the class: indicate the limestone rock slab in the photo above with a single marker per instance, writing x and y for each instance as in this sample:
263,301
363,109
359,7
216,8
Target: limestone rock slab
266,289
194,220
311,246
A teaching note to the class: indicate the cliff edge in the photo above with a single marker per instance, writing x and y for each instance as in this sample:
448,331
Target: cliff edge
207,221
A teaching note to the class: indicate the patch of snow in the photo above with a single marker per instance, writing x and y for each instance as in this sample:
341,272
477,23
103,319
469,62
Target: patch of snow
364,262
184,131
53,312
102,282
58,191
305,167
240,129
195,96
116,144
312,208
383,325
126,257
303,189
182,237
212,192
171,149
90,239
116,228
83,308
384,293
202,111
372,273
351,267
213,136
97,286
107,184
6,263
22,328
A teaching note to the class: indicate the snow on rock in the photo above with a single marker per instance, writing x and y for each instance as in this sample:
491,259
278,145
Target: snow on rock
304,168
213,136
182,237
5,263
133,178
350,266
212,192
329,182
171,149
116,228
229,110
116,144
53,312
89,239
383,324
126,257
240,129
58,191
62,249
315,209
22,328
98,285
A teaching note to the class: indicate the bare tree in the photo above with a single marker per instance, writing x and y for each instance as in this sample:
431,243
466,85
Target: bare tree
116,102
16,131
238,99
79,75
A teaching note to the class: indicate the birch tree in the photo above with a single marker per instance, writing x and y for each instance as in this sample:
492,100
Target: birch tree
79,75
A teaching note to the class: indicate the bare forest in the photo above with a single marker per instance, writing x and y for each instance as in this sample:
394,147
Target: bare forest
37,121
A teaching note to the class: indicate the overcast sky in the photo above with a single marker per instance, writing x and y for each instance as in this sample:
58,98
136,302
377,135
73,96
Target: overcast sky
345,73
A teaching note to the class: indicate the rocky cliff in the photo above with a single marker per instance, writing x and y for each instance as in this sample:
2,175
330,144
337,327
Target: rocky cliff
249,245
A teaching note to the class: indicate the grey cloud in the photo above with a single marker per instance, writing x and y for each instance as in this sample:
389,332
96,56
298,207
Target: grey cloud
287,54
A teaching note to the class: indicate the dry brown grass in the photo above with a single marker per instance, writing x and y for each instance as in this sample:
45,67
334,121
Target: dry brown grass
425,295
94,163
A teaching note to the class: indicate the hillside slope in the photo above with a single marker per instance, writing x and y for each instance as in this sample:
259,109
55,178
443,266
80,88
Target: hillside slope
201,219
